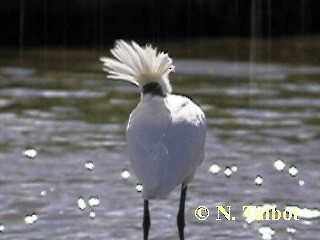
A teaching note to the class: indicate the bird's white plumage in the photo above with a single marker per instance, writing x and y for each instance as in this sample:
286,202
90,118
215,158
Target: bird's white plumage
165,134
165,140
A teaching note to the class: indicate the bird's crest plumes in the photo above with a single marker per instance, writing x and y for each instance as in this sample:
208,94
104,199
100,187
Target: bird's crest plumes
139,65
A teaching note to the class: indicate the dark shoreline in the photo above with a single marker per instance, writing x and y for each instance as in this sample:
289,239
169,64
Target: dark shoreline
96,23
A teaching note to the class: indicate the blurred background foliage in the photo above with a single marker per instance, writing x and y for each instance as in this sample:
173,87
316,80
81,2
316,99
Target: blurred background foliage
96,23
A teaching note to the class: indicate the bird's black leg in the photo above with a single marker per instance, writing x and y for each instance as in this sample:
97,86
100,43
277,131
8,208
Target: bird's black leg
146,220
180,216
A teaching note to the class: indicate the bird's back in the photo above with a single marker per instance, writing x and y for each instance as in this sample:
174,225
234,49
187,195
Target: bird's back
165,140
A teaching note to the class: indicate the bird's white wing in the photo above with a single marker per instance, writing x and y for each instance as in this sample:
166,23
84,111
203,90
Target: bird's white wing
186,137
165,141
146,146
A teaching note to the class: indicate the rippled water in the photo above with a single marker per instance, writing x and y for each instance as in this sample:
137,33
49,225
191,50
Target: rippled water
77,183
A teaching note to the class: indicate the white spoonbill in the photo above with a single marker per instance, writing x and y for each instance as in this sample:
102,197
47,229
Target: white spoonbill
166,132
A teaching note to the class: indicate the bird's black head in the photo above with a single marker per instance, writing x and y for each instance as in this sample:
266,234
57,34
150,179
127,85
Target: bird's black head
153,88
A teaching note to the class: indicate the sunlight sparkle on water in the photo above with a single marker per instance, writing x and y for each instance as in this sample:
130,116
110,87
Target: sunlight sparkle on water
293,171
227,172
92,214
301,182
94,201
266,232
291,230
1,227
234,168
306,213
89,165
258,180
125,174
279,165
214,169
81,203
139,187
30,153
31,218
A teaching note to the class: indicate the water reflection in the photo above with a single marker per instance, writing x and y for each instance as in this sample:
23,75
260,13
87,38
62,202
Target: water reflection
227,172
93,201
43,193
279,165
227,69
258,180
291,230
2,228
306,213
72,118
125,174
30,153
214,169
31,218
82,203
89,165
301,182
266,232
234,168
92,214
139,187
293,171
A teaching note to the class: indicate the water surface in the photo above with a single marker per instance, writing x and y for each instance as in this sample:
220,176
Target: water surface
75,120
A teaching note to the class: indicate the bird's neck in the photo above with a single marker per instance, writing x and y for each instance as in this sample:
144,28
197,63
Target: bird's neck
153,88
